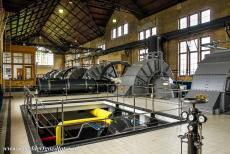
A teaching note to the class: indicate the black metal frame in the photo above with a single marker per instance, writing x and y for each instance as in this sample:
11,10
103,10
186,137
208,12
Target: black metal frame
91,18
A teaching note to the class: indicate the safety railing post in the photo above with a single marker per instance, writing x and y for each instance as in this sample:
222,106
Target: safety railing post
24,96
66,92
62,117
36,100
117,92
134,112
153,105
107,90
97,89
146,101
179,102
134,109
31,105
123,94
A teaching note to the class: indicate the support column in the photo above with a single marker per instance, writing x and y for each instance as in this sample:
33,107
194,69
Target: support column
2,15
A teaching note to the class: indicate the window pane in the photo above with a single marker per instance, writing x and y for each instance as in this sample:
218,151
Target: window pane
119,31
126,29
183,23
101,46
193,62
17,58
142,51
193,45
194,20
28,72
141,58
154,31
203,53
147,33
27,58
7,71
205,40
6,57
183,47
44,57
183,64
141,35
114,31
143,54
205,16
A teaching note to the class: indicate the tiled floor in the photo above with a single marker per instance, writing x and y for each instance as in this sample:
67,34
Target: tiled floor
216,132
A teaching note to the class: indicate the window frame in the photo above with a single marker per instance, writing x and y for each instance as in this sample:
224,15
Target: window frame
124,32
144,54
114,33
102,46
199,18
179,23
41,58
179,58
144,32
202,50
120,31
202,18
188,54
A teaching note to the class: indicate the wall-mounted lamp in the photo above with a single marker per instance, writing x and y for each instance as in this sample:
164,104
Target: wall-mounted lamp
114,20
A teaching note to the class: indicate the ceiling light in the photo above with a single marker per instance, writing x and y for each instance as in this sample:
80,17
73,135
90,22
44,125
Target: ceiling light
60,10
114,20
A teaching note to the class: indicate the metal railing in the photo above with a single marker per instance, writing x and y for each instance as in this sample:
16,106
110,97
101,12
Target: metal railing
33,105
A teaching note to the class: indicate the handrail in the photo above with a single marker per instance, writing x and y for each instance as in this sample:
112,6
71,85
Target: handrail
30,96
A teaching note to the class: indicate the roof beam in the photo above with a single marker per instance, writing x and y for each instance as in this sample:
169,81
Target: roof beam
86,37
90,15
86,24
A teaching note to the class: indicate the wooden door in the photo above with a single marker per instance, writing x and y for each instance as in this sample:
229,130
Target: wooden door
19,73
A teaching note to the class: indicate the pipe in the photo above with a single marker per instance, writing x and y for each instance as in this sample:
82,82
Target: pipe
100,116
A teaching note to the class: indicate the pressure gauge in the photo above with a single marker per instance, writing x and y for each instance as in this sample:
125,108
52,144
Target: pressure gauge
184,115
190,127
191,117
202,118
